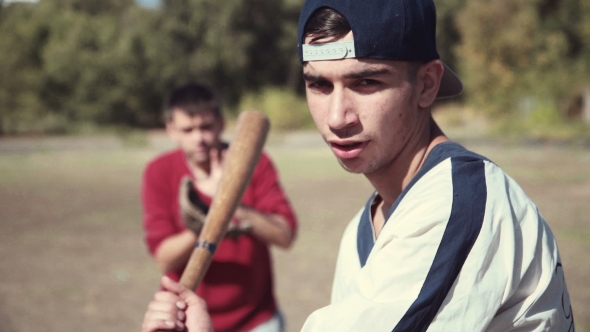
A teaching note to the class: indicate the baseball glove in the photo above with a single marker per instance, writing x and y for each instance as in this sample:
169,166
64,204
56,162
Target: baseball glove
194,211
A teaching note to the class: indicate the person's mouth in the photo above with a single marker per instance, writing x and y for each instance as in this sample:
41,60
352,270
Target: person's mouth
345,149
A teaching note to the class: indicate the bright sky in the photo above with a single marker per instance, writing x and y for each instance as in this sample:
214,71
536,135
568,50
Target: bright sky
148,3
10,1
145,3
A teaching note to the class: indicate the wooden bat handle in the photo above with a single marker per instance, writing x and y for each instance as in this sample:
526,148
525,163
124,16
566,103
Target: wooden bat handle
241,160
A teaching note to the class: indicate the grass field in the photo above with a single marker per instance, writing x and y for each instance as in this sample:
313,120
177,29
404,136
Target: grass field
71,250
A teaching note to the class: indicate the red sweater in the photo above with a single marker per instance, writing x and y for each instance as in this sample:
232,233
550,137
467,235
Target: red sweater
238,286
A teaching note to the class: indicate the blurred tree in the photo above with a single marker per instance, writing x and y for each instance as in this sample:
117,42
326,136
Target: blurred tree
95,64
66,62
516,54
448,35
21,67
111,62
234,45
93,7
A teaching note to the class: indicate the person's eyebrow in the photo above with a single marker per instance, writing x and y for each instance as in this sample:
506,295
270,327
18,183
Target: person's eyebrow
313,78
367,73
352,75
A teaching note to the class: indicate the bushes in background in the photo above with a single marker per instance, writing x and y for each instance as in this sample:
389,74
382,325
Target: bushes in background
284,108
66,64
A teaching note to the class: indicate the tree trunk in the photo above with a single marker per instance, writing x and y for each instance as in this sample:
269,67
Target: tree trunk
586,105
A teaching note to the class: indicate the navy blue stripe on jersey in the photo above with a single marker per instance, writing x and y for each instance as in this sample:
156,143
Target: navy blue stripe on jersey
439,153
365,239
463,227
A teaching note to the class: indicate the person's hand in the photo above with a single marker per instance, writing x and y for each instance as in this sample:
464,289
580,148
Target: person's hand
176,309
235,230
194,211
208,183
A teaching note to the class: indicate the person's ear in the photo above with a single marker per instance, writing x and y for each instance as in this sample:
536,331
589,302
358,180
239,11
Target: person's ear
222,123
171,130
429,76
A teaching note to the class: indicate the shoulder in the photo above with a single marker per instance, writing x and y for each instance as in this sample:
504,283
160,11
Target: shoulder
165,159
466,172
477,184
450,189
472,174
448,171
471,181
163,164
265,174
452,151
265,165
448,161
264,159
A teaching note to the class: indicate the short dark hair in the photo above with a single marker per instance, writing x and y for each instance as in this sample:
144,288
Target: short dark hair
192,98
324,23
329,23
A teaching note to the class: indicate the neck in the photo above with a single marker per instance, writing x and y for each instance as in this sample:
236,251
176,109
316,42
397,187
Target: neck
392,180
199,170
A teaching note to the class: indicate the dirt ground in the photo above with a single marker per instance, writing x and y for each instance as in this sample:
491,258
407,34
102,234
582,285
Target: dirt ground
71,250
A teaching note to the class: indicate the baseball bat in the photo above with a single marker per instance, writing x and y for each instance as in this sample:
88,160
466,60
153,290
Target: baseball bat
238,167
241,160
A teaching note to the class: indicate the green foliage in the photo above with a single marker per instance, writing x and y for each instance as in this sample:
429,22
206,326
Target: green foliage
285,109
67,64
448,34
515,48
70,62
542,121
234,45
20,66
132,138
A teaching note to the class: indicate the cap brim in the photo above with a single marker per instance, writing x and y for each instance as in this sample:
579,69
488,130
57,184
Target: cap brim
450,84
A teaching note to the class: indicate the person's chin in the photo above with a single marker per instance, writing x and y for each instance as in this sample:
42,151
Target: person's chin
198,157
354,165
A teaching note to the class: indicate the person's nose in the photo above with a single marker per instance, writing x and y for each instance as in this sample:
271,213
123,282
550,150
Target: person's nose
342,114
196,135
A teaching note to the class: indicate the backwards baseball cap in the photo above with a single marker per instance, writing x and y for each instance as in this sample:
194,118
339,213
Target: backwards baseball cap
401,30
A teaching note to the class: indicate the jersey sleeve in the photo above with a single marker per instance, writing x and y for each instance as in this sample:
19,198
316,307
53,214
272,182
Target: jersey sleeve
269,196
447,260
157,210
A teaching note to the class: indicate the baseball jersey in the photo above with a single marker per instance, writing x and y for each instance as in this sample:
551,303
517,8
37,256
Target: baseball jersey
463,249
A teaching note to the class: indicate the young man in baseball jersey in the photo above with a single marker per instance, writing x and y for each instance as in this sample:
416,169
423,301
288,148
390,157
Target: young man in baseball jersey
177,189
448,241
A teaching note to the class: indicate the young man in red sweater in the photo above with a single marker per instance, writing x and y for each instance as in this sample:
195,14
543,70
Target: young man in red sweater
238,287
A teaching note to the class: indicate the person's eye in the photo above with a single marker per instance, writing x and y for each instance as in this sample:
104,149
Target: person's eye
319,85
369,82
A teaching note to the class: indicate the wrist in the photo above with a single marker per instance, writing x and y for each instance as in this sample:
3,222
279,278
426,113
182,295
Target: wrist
190,235
242,213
